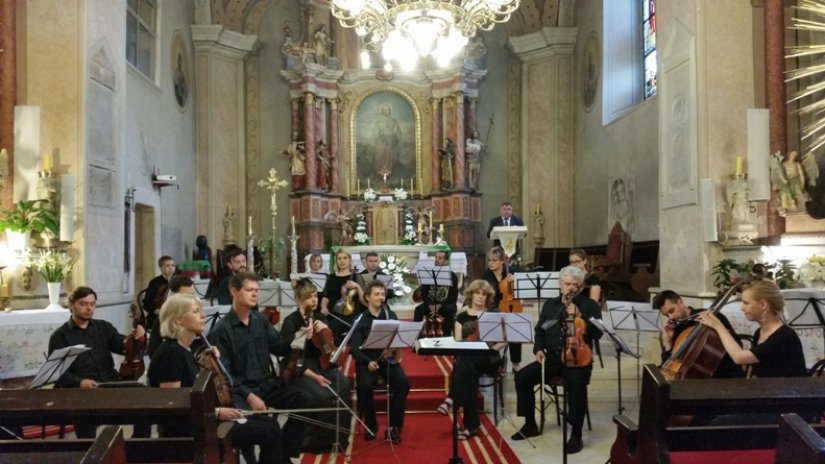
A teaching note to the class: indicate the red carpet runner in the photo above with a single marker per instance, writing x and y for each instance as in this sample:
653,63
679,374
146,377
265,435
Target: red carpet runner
427,435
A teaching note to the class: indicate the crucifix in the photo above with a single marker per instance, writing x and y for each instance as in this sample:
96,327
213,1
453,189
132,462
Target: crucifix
272,183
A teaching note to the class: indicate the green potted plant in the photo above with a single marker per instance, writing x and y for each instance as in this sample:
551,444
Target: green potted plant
28,216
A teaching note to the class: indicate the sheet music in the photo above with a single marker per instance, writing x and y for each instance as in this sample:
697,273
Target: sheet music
536,285
56,364
617,341
505,327
392,334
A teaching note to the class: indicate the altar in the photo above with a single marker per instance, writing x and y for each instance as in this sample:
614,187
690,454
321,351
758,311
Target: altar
414,255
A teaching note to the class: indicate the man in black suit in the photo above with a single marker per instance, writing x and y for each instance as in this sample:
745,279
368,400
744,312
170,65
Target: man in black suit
507,218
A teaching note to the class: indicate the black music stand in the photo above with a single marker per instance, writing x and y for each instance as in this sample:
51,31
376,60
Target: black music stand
57,363
638,317
388,334
536,286
212,318
621,347
808,306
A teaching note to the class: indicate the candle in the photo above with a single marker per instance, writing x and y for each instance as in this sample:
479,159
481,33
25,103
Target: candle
47,162
293,225
357,186
66,208
420,228
441,229
402,183
739,165
368,182
249,226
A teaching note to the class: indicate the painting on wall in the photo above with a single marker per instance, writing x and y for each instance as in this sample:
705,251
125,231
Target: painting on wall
180,74
592,70
386,127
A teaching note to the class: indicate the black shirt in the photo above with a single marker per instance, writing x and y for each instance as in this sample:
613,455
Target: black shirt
549,330
362,331
97,364
491,279
780,355
173,363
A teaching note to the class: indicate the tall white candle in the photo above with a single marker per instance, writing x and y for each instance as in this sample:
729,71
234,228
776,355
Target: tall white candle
67,208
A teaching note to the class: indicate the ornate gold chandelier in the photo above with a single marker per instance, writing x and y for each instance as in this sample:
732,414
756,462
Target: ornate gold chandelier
405,29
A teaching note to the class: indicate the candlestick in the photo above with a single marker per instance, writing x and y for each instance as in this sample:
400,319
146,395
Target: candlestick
47,162
739,165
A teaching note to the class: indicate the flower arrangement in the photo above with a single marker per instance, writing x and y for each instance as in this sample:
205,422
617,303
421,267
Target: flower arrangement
370,195
53,265
400,194
409,237
361,236
397,268
812,270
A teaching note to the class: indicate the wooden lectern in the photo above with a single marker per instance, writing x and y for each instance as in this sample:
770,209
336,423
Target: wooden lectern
509,237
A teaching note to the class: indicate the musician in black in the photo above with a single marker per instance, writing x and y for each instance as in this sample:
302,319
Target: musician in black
550,343
369,364
158,289
344,288
678,319
438,301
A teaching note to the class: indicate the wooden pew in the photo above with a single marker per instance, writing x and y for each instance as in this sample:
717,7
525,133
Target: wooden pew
653,441
798,442
195,406
108,448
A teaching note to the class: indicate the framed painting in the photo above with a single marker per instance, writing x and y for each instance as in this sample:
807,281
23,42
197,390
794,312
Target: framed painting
386,137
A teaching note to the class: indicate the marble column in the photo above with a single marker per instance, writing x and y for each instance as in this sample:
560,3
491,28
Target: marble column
472,116
8,89
220,168
436,161
296,116
775,95
309,127
458,166
333,146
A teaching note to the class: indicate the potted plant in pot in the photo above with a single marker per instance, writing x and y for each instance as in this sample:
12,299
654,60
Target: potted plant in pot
28,216
54,266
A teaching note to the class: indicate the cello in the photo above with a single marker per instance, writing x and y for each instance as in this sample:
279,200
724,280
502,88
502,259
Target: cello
133,366
698,351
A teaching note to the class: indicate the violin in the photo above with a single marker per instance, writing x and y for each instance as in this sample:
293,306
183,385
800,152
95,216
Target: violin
133,366
223,381
296,358
576,352
323,340
509,303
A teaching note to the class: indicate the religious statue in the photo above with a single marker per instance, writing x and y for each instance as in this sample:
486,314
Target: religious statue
476,51
321,43
790,176
741,230
297,161
447,154
344,221
472,158
228,227
324,172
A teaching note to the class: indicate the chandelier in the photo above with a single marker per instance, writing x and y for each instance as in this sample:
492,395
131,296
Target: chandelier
405,29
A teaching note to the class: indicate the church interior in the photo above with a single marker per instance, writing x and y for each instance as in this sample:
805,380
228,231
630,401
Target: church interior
678,142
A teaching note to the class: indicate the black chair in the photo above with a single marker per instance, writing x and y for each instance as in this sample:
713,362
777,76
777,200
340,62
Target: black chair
554,389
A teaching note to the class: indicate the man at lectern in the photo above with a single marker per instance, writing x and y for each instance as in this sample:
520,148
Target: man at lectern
370,364
505,219
555,334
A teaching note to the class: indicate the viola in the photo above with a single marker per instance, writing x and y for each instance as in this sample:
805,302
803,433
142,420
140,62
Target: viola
223,381
272,313
296,358
133,366
509,303
323,340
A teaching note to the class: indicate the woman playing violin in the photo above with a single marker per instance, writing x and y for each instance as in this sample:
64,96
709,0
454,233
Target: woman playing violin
313,346
776,350
173,366
551,343
342,283
468,367
495,273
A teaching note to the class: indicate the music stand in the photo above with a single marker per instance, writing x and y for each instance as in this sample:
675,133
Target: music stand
810,315
621,347
387,334
639,317
536,286
214,314
57,363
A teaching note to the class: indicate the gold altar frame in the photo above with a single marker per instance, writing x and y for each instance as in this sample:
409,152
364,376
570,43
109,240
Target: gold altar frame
358,114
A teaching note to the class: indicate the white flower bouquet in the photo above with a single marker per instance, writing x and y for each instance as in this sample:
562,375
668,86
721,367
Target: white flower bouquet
400,194
396,267
360,235
812,270
370,195
53,265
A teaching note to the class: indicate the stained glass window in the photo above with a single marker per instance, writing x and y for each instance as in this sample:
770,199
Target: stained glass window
649,34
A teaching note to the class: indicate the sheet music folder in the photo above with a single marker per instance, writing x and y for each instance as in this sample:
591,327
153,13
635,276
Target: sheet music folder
505,327
617,341
447,346
392,334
